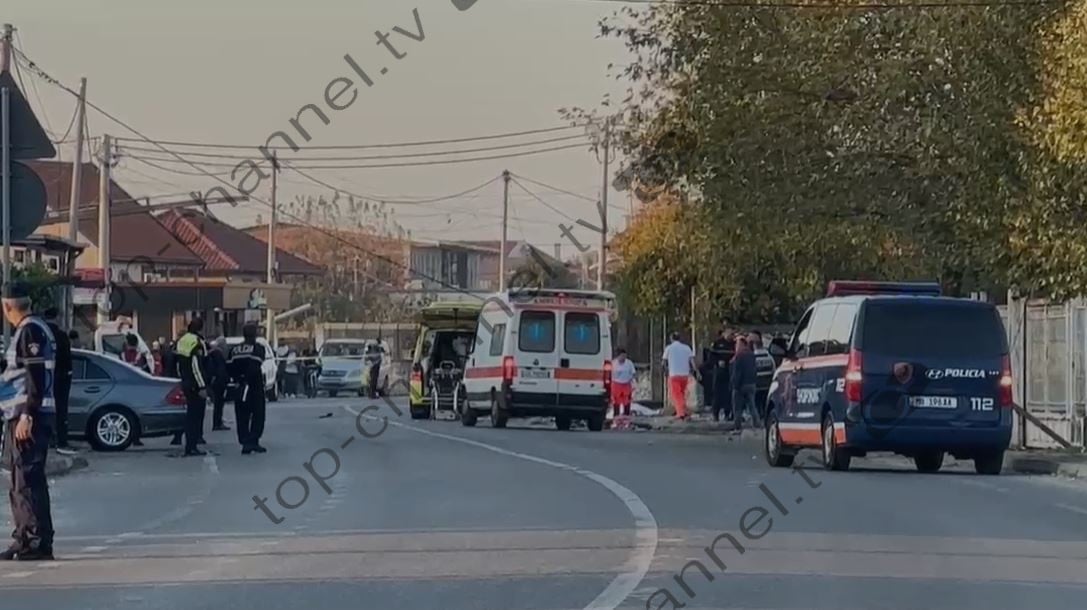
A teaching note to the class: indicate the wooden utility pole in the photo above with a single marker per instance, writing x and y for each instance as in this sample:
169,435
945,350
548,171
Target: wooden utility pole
77,190
271,324
601,268
5,47
104,229
5,170
505,230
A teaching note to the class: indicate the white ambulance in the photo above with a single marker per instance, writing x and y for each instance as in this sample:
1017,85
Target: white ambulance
541,352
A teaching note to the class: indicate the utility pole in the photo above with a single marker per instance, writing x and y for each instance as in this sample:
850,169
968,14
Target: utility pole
602,263
77,184
5,170
104,222
271,325
505,230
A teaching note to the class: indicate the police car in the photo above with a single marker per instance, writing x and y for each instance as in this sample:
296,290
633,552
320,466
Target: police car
895,367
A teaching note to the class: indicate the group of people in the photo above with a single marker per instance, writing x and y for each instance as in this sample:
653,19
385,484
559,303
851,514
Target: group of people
206,372
730,366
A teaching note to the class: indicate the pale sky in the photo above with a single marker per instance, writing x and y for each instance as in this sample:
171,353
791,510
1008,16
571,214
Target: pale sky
234,71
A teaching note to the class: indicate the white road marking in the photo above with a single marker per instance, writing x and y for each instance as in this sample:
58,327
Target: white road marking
1075,509
93,549
18,574
645,525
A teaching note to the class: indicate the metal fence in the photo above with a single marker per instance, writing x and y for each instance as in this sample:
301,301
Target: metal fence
1048,343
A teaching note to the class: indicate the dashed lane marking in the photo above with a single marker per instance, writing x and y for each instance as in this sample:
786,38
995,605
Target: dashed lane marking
645,524
1075,509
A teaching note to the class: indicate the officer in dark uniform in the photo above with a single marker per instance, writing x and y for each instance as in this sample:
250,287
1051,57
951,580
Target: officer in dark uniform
723,349
63,381
26,398
245,368
191,352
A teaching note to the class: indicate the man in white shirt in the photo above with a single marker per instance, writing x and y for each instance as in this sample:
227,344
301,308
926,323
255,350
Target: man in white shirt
679,358
622,383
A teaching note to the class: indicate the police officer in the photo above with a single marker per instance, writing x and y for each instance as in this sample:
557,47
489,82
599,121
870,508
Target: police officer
245,367
723,349
26,397
191,352
62,382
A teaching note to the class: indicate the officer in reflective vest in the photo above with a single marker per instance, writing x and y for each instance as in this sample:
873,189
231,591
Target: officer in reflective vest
246,368
26,398
191,352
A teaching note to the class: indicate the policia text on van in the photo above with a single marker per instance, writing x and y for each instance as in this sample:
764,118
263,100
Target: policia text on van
893,367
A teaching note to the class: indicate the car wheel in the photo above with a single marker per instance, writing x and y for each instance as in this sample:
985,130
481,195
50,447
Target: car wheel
468,415
112,429
562,422
989,463
929,461
777,454
362,392
499,417
834,458
419,412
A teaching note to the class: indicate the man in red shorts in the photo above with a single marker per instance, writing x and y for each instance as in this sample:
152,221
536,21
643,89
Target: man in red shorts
679,360
622,383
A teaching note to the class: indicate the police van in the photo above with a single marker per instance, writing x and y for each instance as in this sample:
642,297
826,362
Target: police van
895,367
541,352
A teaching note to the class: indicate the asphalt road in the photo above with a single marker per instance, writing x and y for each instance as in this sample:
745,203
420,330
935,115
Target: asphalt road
431,514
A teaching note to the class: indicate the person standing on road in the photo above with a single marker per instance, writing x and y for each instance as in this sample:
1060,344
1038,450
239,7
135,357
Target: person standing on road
679,358
191,352
246,368
29,413
220,379
743,383
62,383
622,383
723,349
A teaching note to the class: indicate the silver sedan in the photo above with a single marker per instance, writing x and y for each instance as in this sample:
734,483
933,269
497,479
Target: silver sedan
112,403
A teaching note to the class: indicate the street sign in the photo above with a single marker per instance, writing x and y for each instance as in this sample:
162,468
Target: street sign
27,201
28,139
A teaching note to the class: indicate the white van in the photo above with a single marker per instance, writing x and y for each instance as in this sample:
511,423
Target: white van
543,353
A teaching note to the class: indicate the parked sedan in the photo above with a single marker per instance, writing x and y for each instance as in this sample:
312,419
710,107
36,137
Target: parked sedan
112,403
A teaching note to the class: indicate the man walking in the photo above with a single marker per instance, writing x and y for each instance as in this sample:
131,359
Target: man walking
191,353
743,383
246,360
679,358
62,382
220,378
29,412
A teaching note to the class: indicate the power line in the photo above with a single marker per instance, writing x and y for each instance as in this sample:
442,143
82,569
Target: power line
395,263
320,182
497,136
373,157
538,198
556,189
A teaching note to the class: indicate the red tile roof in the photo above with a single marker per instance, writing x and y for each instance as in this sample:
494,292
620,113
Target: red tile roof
136,236
224,248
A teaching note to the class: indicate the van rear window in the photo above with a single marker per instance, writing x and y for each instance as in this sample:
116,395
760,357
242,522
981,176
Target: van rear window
930,329
536,332
582,332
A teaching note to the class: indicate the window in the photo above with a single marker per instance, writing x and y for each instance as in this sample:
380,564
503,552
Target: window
498,339
799,343
85,370
582,334
537,332
951,330
841,329
819,330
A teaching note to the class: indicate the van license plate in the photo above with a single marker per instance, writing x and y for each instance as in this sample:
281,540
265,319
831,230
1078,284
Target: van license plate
535,374
934,402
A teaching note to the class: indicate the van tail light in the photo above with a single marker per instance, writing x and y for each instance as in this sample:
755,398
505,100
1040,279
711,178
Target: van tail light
854,379
176,397
509,369
607,376
417,373
1005,391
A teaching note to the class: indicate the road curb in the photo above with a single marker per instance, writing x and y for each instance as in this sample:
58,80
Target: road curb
1045,465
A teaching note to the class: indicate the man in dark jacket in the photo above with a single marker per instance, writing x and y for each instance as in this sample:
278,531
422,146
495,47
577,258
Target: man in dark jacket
220,379
62,383
191,355
722,351
744,375
246,368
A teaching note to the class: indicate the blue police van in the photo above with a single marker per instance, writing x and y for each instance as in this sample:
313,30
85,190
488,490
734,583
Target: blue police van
893,367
